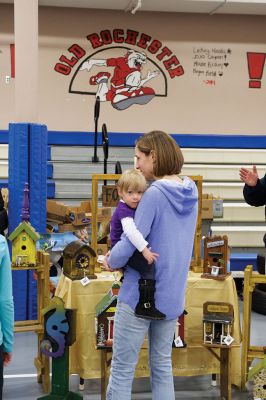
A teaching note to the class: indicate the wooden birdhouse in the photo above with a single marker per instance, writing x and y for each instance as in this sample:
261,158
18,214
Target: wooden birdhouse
24,238
215,257
104,317
179,336
218,321
258,374
79,261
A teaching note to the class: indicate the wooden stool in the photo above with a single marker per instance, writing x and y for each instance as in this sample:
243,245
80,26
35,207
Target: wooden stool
225,369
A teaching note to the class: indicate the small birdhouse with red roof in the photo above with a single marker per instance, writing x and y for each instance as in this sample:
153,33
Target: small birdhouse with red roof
104,317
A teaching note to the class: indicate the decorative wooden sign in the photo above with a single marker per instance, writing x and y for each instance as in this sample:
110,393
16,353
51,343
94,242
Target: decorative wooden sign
110,196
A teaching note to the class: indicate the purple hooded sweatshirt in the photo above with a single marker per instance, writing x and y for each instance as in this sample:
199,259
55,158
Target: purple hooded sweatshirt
166,217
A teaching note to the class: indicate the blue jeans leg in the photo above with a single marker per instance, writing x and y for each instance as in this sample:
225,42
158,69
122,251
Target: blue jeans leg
129,334
161,334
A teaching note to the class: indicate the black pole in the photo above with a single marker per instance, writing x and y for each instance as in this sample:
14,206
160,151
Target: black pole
118,168
105,149
96,117
264,240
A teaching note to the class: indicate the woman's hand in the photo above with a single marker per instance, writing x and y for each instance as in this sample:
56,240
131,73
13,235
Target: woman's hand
249,177
106,266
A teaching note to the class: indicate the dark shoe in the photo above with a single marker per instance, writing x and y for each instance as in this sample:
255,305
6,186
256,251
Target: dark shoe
146,305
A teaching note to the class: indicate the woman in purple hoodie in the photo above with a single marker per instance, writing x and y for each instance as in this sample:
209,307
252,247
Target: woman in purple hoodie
166,217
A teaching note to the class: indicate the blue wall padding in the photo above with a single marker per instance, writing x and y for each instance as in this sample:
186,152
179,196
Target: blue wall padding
71,138
128,140
3,183
38,196
50,169
38,175
221,141
3,137
49,153
18,170
18,174
50,189
239,261
27,163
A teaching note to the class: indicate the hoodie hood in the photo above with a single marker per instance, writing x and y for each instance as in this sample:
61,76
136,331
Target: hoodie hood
182,196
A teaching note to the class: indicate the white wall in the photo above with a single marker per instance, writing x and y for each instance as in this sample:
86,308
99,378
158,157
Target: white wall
195,103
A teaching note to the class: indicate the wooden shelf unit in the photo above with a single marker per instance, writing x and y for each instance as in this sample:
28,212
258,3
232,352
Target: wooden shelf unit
42,270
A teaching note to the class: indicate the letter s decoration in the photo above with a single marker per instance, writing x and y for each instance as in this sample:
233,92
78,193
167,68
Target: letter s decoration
56,328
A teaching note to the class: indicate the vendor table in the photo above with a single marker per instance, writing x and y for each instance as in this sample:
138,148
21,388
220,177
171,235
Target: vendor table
194,359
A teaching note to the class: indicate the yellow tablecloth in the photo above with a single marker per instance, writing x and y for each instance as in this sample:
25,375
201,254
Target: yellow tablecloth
192,360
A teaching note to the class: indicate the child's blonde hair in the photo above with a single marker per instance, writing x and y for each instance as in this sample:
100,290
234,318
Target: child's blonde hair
133,179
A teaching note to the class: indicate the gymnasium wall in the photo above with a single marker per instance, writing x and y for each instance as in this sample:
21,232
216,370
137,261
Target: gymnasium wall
210,81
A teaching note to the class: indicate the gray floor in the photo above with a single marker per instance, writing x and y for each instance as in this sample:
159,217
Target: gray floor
20,376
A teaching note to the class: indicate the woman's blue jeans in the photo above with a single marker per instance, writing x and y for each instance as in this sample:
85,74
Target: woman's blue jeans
129,334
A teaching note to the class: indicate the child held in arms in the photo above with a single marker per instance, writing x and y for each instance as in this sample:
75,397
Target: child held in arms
131,187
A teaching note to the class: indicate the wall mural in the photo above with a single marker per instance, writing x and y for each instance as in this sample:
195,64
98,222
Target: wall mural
127,83
126,67
210,64
120,74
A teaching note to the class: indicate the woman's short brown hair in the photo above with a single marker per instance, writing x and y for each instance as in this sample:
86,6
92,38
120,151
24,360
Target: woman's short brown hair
168,158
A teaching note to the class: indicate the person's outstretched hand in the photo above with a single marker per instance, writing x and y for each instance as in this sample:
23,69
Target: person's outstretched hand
249,177
7,358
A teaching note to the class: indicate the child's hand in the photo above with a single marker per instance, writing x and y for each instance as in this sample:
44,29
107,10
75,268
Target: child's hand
149,255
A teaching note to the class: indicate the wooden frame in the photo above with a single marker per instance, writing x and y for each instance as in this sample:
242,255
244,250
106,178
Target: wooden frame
249,352
196,263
